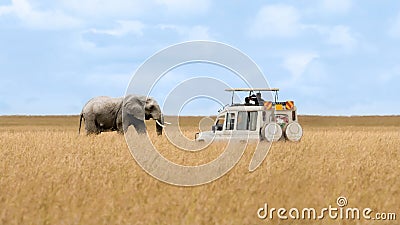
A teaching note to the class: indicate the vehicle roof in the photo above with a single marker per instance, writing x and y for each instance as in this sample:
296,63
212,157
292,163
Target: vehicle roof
252,89
242,107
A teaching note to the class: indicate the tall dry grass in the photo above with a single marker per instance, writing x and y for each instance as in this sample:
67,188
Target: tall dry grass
51,175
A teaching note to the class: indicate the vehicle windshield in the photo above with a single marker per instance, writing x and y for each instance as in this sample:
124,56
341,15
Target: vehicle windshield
220,122
247,120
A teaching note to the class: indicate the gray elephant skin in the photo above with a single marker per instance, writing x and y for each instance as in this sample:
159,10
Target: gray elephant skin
105,114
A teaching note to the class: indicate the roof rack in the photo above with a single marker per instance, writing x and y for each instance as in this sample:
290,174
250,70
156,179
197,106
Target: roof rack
252,90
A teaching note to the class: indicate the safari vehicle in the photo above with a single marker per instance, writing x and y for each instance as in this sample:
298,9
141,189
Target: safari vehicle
255,119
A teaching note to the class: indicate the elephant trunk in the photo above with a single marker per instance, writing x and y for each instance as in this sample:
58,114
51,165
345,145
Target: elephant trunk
159,124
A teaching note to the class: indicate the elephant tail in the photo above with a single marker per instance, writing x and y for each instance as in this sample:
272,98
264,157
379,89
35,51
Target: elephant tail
80,123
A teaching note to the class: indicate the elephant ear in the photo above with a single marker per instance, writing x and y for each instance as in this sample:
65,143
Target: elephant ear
149,104
134,107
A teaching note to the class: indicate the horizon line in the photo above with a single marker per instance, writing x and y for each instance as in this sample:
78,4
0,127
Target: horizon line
327,115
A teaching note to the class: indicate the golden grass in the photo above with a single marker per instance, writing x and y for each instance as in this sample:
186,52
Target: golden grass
50,175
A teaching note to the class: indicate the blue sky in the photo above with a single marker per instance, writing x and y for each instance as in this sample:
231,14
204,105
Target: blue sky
333,57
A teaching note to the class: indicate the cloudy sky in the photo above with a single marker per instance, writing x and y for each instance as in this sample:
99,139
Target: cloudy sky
333,57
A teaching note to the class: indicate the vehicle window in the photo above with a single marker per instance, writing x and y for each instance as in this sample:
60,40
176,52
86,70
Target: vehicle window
220,122
230,121
253,120
247,120
242,121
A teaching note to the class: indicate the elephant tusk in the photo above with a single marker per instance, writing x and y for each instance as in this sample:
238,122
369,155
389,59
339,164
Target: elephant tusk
159,124
167,123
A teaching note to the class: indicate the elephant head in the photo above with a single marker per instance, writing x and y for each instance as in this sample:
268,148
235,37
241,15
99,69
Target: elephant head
153,111
138,108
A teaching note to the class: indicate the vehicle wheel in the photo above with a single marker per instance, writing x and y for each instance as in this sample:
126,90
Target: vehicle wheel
293,131
271,132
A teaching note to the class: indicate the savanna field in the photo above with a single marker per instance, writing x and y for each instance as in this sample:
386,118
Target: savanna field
51,175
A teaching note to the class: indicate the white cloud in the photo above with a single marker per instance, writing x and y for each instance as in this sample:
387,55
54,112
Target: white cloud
285,21
51,19
341,36
308,75
297,63
111,80
186,6
197,32
106,8
128,8
6,10
394,29
336,6
276,21
124,27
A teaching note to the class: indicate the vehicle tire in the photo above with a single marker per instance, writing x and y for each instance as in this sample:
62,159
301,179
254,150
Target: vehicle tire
271,132
293,131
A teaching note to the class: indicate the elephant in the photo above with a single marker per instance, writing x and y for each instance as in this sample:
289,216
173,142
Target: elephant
104,113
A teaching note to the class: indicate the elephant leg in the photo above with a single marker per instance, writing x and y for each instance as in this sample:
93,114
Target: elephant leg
99,127
92,131
120,129
137,123
118,122
91,127
89,132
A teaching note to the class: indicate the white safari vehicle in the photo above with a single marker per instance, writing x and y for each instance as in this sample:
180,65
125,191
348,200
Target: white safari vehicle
255,119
